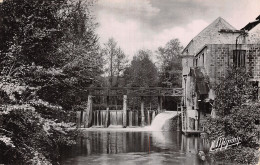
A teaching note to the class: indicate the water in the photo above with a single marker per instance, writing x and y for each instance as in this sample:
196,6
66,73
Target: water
123,146
161,118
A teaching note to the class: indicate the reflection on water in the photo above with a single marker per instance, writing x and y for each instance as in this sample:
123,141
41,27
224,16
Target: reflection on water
134,148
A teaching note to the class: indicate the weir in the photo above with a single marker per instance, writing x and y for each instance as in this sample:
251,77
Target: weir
116,117
121,114
161,119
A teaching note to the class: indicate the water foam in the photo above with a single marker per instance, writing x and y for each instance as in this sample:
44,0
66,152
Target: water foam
160,120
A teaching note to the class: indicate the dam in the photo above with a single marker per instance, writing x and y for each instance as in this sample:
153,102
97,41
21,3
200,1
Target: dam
126,107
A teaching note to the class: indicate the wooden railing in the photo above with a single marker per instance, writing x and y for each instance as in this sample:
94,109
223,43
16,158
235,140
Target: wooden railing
135,91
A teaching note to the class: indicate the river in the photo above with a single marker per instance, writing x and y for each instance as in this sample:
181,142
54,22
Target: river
135,146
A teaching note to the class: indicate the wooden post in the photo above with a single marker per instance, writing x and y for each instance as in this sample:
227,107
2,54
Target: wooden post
198,120
116,110
89,112
79,118
101,118
107,117
153,116
161,101
124,110
148,118
107,113
178,120
159,104
84,119
142,111
182,118
95,118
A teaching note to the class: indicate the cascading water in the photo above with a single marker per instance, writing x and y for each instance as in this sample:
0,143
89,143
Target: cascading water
160,120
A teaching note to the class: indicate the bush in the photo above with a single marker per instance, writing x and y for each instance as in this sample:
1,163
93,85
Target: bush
237,114
239,123
31,138
239,154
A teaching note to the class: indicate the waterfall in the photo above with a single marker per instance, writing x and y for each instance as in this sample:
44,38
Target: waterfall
160,120
116,117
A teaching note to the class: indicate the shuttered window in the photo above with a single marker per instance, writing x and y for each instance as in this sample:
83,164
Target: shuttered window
239,58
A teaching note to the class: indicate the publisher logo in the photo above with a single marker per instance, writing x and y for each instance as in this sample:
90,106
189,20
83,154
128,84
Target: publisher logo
223,143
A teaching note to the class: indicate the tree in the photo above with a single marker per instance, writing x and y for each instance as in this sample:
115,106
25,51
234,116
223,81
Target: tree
115,60
80,48
48,54
80,59
170,63
233,91
33,35
142,72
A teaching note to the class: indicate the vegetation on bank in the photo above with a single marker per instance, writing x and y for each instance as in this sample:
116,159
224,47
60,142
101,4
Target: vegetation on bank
49,53
237,115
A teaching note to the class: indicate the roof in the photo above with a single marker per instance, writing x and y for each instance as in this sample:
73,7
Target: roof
258,18
218,24
251,25
212,35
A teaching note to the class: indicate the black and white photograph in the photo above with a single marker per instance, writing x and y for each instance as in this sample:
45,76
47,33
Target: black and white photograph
129,82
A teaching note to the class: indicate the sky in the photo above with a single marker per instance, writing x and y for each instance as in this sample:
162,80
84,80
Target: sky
148,24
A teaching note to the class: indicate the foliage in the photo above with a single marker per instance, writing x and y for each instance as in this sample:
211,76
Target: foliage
115,60
30,35
142,72
237,115
66,56
234,90
170,63
32,137
239,155
239,123
30,128
82,59
49,53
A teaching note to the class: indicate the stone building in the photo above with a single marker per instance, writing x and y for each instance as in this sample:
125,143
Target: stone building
207,58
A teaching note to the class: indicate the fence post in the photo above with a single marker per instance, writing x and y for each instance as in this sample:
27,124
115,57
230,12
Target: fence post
107,118
78,117
148,117
142,111
89,113
153,116
124,111
159,104
107,113
178,117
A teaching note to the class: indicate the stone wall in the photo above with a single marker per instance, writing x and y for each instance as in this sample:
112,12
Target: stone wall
219,57
253,61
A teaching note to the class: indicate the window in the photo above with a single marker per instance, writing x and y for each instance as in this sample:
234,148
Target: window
196,62
239,58
202,59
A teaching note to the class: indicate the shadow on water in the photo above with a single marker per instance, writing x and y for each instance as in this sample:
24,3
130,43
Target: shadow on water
134,148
